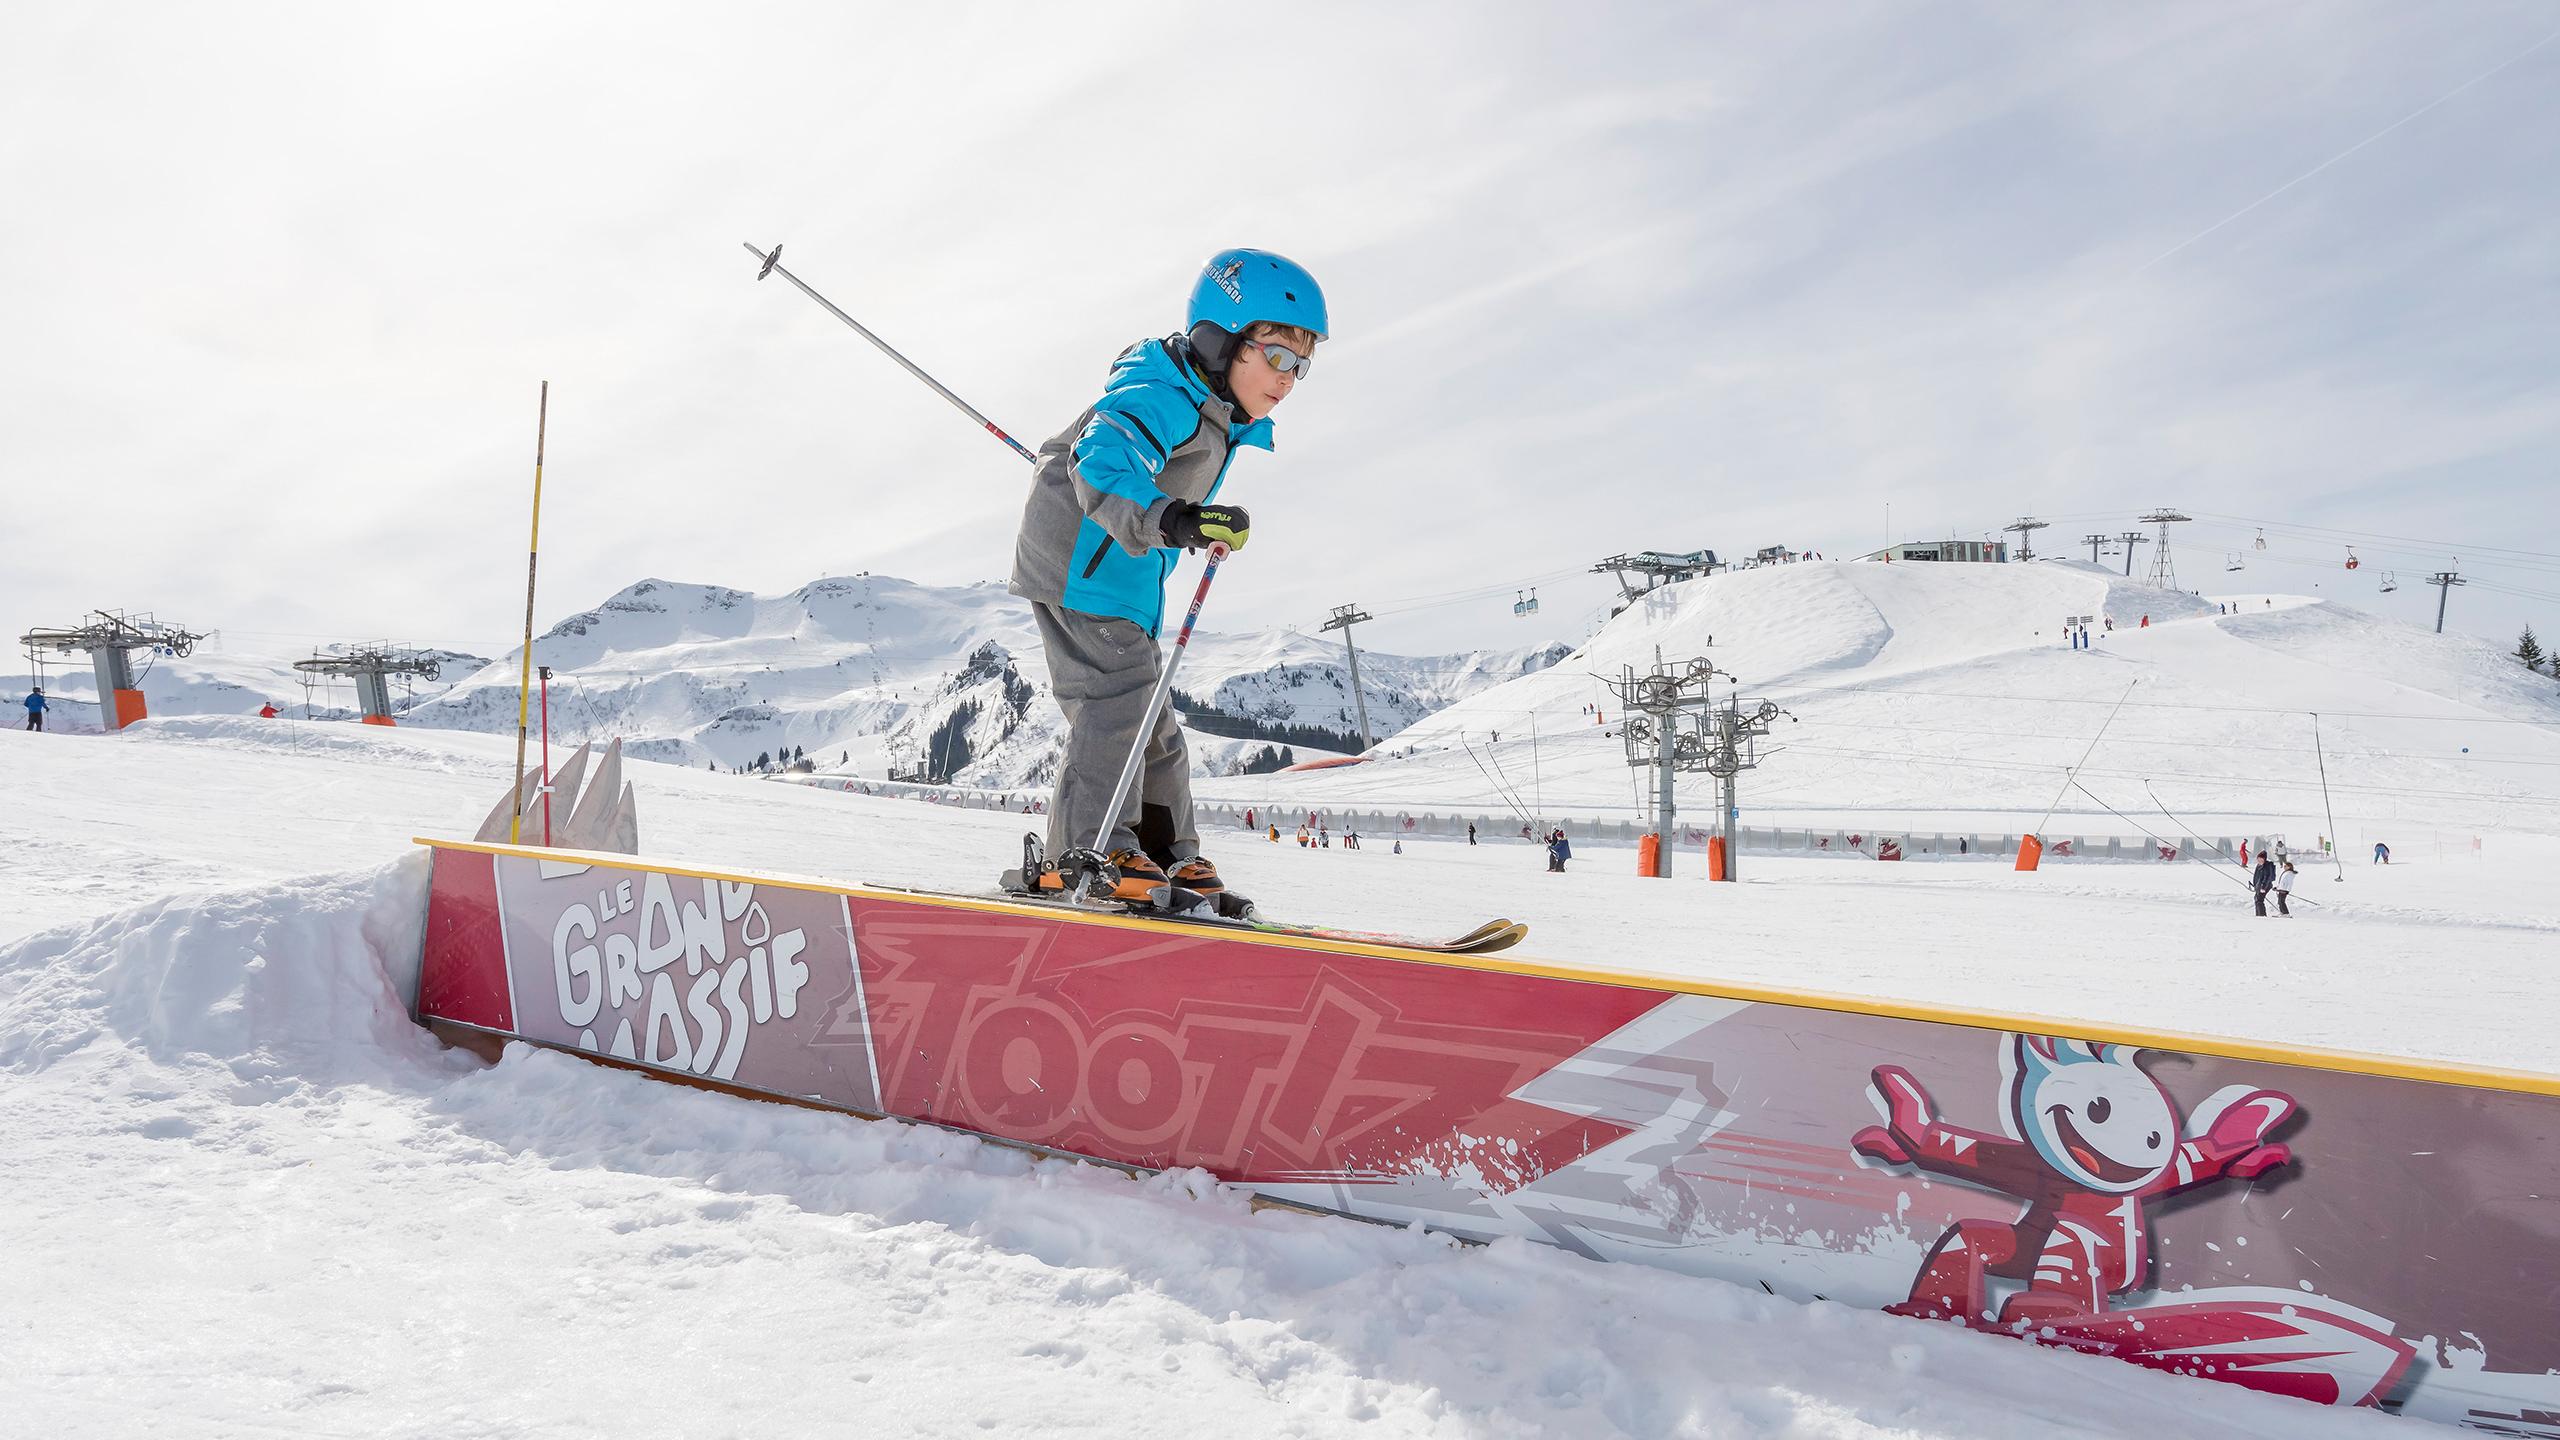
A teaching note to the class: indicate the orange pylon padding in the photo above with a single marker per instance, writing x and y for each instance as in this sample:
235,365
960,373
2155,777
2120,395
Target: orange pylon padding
1649,856
2030,850
129,707
377,719
1715,858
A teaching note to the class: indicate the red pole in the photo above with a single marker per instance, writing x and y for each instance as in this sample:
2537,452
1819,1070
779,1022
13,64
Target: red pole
546,756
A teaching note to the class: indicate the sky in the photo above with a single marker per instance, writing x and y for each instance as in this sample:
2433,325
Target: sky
285,281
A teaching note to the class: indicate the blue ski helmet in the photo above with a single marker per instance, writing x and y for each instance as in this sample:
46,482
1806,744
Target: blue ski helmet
1239,287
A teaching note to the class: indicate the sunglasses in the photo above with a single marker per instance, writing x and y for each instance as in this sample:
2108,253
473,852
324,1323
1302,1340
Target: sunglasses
1283,359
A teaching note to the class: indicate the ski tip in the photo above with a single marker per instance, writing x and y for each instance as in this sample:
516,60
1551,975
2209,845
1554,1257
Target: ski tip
1510,933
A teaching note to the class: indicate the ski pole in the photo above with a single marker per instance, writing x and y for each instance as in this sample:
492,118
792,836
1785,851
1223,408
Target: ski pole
1086,866
1090,861
773,266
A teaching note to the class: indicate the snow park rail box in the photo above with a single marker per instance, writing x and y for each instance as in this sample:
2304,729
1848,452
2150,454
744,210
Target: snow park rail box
2348,1230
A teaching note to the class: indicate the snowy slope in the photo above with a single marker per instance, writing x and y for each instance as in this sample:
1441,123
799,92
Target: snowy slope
219,1114
1947,692
869,673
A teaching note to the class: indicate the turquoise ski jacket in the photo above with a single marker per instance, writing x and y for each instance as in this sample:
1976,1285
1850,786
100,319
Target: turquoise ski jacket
1092,534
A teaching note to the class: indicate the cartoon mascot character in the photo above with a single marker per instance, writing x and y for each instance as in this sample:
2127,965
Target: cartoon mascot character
2096,1137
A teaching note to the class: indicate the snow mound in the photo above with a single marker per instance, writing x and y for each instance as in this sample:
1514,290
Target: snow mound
278,986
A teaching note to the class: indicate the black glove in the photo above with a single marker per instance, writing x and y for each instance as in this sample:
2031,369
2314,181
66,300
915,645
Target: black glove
1196,527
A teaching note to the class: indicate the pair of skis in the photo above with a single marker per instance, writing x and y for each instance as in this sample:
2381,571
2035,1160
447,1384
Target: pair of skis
1226,910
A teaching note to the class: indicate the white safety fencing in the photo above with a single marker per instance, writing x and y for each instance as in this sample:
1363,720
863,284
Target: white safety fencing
1885,843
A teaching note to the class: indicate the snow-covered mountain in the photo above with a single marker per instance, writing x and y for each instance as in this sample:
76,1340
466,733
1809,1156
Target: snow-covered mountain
872,674
1948,691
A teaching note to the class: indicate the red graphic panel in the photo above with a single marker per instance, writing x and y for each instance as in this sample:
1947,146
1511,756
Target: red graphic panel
1258,1062
465,974
2314,1229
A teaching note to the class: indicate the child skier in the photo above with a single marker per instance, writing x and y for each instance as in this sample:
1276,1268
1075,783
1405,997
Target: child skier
1117,496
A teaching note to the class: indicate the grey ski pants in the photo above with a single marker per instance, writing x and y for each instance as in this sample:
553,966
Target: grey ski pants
1102,671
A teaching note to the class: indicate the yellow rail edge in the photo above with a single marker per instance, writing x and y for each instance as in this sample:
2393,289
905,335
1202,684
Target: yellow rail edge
2400,1067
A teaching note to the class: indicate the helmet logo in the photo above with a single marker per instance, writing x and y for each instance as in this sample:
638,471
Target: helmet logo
1224,277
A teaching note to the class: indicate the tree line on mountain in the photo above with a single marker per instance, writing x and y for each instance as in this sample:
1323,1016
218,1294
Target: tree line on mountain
2530,654
1210,720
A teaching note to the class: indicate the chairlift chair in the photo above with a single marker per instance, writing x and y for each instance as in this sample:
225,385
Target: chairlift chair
2262,539
2232,561
2390,581
2352,561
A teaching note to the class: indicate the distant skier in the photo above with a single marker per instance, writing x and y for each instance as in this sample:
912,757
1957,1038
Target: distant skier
267,711
2381,853
1559,850
1275,834
2284,888
2262,880
1399,846
1471,832
36,706
1117,496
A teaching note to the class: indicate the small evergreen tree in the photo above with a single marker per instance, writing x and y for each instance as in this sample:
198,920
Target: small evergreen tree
764,761
2529,650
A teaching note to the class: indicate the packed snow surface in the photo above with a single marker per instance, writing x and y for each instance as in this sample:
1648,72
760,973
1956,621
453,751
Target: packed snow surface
247,1196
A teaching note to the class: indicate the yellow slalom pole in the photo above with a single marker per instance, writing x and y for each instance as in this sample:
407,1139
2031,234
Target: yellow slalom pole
533,557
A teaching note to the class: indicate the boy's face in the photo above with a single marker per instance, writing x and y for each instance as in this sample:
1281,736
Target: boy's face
1258,387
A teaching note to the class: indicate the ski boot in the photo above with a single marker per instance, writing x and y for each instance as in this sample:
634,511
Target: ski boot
1127,876
1196,874
1194,884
